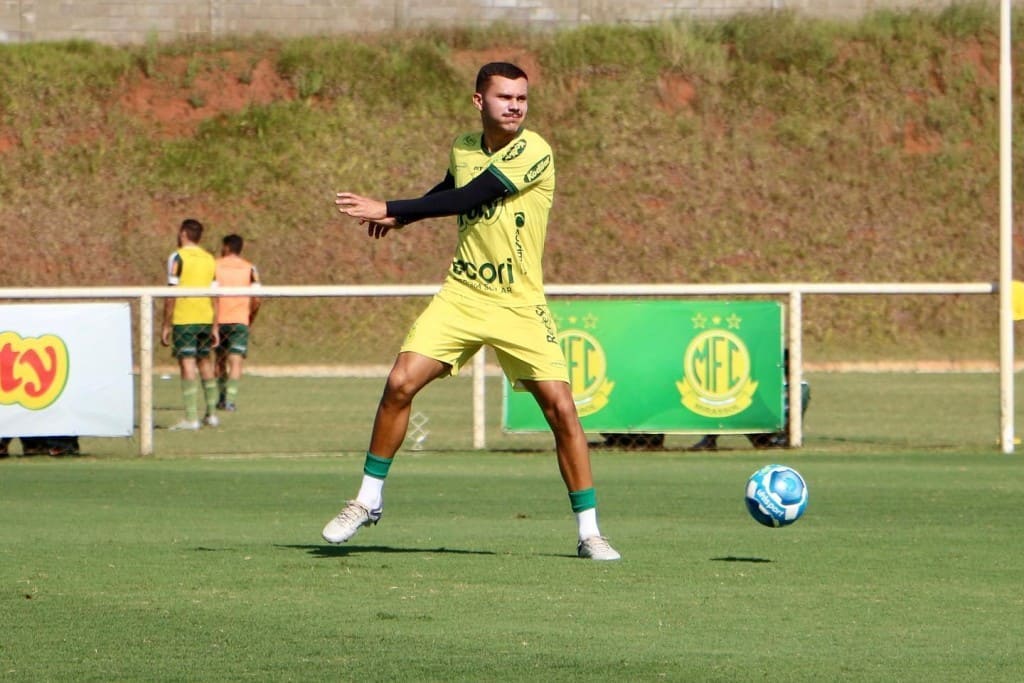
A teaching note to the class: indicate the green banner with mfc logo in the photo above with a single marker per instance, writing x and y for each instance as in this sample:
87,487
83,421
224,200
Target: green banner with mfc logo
666,367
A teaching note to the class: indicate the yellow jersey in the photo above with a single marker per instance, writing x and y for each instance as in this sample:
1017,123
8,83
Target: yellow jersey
499,256
191,266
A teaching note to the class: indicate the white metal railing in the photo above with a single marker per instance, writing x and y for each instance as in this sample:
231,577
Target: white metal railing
795,292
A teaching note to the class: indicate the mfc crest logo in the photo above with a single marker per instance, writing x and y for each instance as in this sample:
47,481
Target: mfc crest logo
588,368
33,370
716,374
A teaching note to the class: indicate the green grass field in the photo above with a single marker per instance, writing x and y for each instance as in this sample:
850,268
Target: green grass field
297,417
207,564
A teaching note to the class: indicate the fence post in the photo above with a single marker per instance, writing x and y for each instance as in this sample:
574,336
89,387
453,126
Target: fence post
1006,247
145,374
795,373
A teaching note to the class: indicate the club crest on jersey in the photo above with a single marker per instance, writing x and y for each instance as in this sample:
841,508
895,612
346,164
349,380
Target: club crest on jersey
716,371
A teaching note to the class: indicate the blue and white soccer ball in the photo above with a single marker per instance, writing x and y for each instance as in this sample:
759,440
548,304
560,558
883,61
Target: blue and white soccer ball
776,495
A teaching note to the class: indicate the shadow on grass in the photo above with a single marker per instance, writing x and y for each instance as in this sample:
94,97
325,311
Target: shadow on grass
344,550
732,558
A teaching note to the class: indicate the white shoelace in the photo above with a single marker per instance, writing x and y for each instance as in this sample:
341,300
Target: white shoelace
599,543
351,513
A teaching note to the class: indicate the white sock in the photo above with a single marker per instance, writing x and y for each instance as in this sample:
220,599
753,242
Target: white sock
371,492
586,521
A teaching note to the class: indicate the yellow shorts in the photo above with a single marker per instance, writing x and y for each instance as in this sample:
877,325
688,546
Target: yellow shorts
524,338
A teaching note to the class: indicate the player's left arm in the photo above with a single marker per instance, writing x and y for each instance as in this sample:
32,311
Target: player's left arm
173,278
214,324
483,189
374,212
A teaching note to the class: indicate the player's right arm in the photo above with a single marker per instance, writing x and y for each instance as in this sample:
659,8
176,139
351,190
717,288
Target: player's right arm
165,330
254,302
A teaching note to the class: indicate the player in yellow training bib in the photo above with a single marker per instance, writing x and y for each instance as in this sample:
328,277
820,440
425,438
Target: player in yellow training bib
188,325
500,184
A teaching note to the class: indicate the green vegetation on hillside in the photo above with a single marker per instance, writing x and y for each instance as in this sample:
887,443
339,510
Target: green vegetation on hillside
759,148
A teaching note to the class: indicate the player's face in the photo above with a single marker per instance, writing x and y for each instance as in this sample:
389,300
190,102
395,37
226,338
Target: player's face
502,104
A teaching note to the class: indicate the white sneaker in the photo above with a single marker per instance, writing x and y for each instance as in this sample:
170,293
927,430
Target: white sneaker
347,522
185,426
597,548
211,421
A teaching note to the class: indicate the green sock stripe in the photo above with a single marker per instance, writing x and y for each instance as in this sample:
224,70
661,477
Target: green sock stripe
211,392
231,389
190,394
376,467
583,500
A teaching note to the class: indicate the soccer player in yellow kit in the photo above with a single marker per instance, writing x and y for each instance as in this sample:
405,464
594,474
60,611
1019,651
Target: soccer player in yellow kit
188,325
500,183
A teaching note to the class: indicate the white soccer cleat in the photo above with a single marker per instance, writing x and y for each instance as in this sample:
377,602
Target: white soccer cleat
185,426
211,421
597,548
347,522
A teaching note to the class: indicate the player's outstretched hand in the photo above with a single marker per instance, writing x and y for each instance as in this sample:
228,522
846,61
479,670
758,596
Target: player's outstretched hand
360,207
370,211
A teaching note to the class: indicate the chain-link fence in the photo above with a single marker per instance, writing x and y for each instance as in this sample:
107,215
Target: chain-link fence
319,356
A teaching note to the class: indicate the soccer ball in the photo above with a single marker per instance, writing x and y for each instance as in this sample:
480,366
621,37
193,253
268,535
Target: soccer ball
776,495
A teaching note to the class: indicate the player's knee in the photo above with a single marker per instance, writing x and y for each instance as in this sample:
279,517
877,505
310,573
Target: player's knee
561,412
400,388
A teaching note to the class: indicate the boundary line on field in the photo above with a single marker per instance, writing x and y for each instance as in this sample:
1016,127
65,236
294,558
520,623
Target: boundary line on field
372,371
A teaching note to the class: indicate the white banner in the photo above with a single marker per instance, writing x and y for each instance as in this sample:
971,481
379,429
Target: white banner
66,370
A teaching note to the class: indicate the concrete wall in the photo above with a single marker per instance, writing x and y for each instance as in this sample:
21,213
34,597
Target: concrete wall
127,21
